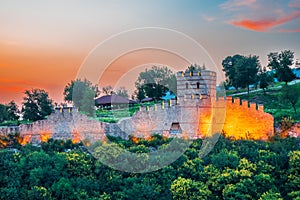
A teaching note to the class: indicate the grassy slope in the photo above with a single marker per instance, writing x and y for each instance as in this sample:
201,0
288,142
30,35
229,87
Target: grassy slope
273,104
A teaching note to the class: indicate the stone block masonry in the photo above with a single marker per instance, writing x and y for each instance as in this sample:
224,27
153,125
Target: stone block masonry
196,113
65,124
247,121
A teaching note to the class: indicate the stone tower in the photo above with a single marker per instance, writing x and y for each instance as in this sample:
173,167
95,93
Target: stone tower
195,86
196,93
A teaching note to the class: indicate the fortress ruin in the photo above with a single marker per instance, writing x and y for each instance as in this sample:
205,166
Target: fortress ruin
197,112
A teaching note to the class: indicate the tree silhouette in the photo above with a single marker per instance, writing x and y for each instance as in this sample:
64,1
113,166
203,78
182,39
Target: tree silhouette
37,105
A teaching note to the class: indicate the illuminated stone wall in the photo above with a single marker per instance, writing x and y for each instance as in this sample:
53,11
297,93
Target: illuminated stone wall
235,119
199,120
238,121
158,119
196,112
244,121
212,116
64,124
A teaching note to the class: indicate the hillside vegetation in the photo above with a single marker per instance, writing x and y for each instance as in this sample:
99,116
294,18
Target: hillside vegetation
273,102
233,170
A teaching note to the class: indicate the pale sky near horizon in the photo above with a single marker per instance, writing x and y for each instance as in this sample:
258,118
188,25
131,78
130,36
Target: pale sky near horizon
43,43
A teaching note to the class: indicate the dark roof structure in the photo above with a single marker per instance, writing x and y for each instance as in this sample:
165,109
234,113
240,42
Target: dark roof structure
148,99
112,99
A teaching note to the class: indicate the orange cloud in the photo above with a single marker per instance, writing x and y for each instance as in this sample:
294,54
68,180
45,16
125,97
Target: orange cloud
265,24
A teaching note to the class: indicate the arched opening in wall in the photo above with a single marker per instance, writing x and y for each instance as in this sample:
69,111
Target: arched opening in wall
186,86
198,85
175,128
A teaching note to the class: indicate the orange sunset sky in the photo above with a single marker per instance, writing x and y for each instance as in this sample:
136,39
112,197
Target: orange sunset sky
43,44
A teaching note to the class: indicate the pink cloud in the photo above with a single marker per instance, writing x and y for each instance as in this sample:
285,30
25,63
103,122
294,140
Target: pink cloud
262,25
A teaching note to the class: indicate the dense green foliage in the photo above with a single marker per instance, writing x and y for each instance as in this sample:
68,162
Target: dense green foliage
108,90
37,105
82,94
247,71
12,111
241,71
281,63
265,79
195,67
122,91
3,113
9,112
155,82
230,71
290,94
233,170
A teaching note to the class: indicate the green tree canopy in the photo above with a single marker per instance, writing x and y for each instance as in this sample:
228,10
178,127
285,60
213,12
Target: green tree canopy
12,111
108,90
122,92
37,105
264,78
247,71
271,195
3,113
238,169
281,63
230,70
82,93
183,188
155,82
241,71
195,67
9,112
290,94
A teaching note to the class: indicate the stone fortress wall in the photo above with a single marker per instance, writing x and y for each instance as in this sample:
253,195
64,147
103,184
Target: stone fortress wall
65,124
247,120
196,113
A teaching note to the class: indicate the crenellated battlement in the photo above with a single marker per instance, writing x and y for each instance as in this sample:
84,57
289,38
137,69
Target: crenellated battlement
197,112
196,74
247,120
60,109
159,106
245,103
